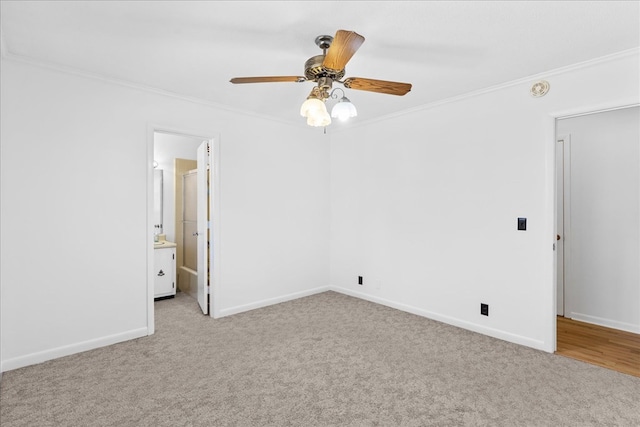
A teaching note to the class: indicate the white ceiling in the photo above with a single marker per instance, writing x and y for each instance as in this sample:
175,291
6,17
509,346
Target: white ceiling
443,48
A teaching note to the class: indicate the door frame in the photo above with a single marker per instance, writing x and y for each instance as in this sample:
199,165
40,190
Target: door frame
203,244
214,141
552,189
563,228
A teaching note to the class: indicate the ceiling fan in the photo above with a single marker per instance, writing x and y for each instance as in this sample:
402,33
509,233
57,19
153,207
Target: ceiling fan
327,69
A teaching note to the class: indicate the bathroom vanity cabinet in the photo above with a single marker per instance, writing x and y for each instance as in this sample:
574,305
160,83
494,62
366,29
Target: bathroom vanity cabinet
165,269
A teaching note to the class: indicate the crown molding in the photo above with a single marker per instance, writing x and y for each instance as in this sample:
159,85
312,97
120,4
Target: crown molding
557,71
6,54
137,86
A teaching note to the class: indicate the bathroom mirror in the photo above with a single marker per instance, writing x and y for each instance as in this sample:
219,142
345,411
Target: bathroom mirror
157,201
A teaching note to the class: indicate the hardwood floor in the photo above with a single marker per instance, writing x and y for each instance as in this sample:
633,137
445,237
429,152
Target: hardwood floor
610,348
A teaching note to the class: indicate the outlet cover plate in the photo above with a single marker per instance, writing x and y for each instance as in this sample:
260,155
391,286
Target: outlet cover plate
484,309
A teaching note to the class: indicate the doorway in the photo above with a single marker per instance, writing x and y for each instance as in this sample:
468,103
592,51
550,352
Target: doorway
598,219
598,164
176,153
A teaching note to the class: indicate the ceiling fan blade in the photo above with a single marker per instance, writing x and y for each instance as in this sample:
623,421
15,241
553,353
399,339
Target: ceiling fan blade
342,48
381,86
268,79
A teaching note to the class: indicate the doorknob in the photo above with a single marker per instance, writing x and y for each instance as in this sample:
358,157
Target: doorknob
557,237
195,234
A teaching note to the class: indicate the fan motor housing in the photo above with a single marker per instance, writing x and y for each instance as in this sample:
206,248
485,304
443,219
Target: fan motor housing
313,69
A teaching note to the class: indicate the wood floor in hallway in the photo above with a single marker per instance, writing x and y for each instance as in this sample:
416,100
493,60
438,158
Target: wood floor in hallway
610,348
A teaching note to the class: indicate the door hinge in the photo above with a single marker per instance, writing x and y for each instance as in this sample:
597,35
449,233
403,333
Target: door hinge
554,246
173,285
173,256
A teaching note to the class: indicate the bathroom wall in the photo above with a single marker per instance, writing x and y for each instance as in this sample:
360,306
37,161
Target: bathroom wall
168,147
184,277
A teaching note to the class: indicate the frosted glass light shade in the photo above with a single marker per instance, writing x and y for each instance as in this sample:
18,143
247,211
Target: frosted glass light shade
344,110
310,106
319,119
316,112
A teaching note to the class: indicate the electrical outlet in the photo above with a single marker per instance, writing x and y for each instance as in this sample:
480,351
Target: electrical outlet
484,309
359,280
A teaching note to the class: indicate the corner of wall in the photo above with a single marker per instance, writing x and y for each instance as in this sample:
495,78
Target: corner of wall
492,332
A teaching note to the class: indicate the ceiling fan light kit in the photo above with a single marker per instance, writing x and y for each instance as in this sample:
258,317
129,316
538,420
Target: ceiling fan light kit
315,110
326,69
344,109
311,106
319,119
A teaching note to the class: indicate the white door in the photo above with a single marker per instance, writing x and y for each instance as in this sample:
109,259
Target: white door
203,226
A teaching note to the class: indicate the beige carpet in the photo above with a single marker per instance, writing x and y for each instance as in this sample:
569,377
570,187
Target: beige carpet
324,360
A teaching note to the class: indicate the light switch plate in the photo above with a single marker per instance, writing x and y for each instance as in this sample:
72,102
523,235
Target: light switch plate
522,224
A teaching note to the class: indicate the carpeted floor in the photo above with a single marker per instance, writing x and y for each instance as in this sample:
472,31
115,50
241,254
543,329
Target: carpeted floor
323,360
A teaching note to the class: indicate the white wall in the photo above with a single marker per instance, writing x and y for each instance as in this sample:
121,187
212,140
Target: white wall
424,205
602,228
74,167
168,147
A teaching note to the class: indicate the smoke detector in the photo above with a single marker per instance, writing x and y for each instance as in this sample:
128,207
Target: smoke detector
540,88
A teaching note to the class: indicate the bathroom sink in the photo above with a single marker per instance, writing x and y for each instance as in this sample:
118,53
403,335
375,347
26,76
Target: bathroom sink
164,244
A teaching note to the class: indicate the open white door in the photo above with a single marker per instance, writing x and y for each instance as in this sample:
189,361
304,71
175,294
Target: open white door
203,226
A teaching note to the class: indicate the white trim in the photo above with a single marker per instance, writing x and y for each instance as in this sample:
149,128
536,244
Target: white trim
595,109
141,87
551,195
272,301
214,221
563,170
601,110
189,133
566,218
67,350
528,79
595,320
474,327
551,299
202,237
149,237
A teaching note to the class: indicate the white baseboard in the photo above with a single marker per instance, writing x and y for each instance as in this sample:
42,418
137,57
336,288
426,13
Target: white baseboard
609,323
67,350
495,333
43,356
267,302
